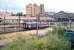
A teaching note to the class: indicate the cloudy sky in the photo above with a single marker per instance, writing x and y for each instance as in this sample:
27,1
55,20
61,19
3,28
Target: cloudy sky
50,5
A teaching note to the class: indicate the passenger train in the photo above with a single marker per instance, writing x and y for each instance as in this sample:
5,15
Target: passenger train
34,25
15,25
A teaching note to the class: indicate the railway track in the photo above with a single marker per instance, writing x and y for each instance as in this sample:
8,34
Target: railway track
22,26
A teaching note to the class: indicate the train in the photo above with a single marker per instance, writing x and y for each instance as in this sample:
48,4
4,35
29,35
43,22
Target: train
23,26
35,25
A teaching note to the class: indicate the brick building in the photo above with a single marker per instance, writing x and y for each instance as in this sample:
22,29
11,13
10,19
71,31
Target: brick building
34,10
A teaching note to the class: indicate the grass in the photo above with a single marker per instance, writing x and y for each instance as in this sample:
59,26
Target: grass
55,41
13,36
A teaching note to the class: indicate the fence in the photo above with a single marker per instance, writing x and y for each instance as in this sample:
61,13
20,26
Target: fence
14,25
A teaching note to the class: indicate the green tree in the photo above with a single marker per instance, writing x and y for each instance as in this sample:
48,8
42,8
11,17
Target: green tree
19,14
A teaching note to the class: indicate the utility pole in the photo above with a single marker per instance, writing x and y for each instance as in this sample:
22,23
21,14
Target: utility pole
37,26
70,24
4,20
19,22
4,23
38,20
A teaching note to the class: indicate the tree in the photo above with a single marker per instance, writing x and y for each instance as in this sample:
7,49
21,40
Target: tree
19,14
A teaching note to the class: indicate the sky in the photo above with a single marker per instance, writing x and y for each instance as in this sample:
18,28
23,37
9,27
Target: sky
50,5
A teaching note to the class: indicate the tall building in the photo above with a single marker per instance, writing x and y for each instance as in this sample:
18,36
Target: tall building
34,10
41,9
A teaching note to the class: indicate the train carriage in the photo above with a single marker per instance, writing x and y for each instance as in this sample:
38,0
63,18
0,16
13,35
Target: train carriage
33,25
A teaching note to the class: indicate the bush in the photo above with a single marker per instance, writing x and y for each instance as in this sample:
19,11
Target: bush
32,44
16,45
57,40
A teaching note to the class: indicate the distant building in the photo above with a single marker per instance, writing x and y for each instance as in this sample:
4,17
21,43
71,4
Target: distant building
5,13
34,10
41,9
